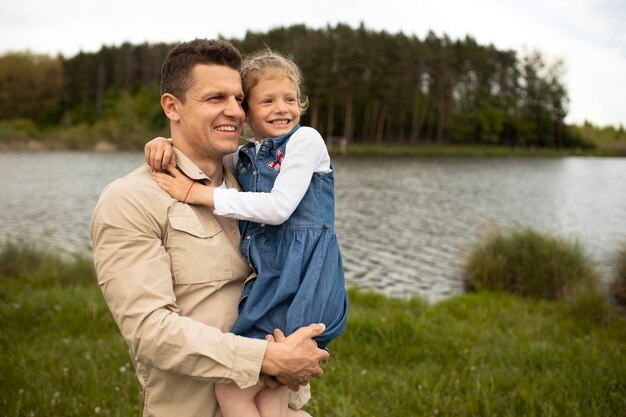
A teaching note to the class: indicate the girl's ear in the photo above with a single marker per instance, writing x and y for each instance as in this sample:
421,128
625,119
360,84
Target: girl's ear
170,105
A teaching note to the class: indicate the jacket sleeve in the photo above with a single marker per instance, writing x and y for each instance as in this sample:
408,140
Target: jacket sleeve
134,274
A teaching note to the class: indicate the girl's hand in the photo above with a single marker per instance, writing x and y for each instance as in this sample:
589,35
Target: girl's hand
181,187
158,153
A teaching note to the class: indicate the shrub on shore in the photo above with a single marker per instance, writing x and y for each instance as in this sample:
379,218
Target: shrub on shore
19,260
525,262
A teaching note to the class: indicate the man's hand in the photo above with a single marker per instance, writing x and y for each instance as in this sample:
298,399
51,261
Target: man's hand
295,359
270,381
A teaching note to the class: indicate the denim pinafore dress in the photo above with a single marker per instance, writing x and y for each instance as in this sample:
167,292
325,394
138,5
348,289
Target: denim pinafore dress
299,269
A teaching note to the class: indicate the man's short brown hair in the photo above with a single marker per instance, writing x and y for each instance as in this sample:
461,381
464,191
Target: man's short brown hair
176,73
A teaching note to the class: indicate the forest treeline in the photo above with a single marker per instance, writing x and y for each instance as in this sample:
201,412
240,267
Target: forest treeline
365,86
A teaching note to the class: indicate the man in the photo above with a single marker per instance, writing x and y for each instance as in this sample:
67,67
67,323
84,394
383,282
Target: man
172,273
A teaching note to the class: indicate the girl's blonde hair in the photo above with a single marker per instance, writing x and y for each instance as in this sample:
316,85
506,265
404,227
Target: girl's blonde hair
259,63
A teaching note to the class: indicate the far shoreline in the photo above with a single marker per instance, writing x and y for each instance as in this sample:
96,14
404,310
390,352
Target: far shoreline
358,150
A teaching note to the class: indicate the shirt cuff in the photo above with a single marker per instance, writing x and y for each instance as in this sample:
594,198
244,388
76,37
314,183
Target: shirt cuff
220,201
248,360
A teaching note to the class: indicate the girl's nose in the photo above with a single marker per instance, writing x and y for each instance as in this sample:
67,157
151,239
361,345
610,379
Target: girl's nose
281,107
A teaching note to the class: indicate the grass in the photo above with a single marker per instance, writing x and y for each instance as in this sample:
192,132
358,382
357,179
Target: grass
484,354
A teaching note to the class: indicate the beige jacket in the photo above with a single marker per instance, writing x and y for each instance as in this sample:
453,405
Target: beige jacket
171,275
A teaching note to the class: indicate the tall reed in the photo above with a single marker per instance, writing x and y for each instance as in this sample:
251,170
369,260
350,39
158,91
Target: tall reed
619,284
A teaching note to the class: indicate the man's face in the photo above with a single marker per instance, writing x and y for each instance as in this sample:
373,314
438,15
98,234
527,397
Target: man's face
211,117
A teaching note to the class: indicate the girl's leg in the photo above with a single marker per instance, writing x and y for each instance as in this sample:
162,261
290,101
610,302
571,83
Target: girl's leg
237,402
273,402
297,413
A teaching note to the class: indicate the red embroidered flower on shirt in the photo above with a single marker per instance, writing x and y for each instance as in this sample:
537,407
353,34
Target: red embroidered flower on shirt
276,164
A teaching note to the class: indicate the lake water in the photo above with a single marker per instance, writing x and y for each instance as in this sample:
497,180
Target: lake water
405,225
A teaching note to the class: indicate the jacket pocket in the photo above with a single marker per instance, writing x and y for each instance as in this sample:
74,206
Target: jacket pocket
198,248
193,226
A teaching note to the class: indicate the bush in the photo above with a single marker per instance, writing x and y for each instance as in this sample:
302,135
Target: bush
524,262
590,309
23,261
18,130
77,137
619,285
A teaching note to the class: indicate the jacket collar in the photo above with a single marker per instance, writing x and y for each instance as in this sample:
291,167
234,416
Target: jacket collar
191,170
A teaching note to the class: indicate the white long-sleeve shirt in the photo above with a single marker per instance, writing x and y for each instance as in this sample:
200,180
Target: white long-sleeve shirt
305,154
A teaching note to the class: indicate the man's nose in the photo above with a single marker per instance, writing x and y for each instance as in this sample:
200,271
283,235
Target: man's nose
233,108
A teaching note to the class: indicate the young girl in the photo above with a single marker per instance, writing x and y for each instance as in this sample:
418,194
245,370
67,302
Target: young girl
287,227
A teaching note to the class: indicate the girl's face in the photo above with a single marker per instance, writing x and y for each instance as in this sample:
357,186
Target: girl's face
273,107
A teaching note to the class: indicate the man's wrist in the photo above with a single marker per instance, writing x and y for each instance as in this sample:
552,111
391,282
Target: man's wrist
269,365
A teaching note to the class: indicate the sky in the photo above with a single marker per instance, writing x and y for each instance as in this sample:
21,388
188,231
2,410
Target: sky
589,35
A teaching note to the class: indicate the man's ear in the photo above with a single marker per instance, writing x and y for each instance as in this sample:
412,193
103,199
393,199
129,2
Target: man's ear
170,105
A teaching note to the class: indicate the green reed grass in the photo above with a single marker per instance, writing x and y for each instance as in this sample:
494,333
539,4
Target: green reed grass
486,354
619,283
528,263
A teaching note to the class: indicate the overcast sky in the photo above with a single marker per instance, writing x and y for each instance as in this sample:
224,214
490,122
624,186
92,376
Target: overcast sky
590,35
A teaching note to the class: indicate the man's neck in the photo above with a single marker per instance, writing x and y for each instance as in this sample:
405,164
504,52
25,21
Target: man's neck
211,166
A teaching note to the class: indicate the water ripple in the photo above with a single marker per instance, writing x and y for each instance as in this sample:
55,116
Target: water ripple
404,225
